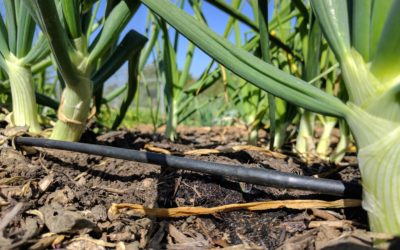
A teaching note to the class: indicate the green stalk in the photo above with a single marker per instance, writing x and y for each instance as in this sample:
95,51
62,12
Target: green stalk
115,22
285,112
171,79
333,16
265,54
325,139
305,146
386,63
379,165
172,120
115,93
133,82
323,147
341,148
375,124
153,113
73,111
379,162
155,30
75,100
252,102
72,19
44,100
175,80
16,58
23,96
361,26
11,24
312,51
253,136
252,121
76,60
257,122
280,135
380,10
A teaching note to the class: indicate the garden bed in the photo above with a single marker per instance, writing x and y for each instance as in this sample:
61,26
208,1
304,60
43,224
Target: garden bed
60,199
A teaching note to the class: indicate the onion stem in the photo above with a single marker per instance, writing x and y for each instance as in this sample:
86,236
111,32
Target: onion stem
73,111
23,96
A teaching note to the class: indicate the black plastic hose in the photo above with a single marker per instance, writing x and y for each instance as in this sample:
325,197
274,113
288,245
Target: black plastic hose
258,176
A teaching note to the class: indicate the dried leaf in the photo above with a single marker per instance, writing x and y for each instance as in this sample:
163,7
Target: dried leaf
332,223
236,148
15,131
252,206
94,241
45,182
11,180
157,149
43,243
203,151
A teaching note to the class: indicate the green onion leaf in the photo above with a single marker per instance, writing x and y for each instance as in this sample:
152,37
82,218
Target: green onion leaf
380,10
133,81
57,37
71,10
265,53
4,50
132,43
386,63
26,30
11,24
39,51
115,22
248,66
333,16
361,25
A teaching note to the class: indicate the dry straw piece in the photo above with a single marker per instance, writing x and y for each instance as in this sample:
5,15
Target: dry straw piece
251,206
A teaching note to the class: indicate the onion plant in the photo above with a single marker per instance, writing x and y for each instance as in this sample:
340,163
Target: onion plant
18,53
329,80
83,61
250,101
370,69
247,99
295,38
152,30
175,80
311,40
131,90
274,34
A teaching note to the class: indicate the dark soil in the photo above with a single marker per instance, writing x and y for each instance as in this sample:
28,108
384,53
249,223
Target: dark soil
58,199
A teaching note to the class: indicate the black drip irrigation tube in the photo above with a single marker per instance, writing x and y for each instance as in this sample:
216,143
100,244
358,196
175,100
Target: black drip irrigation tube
258,176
